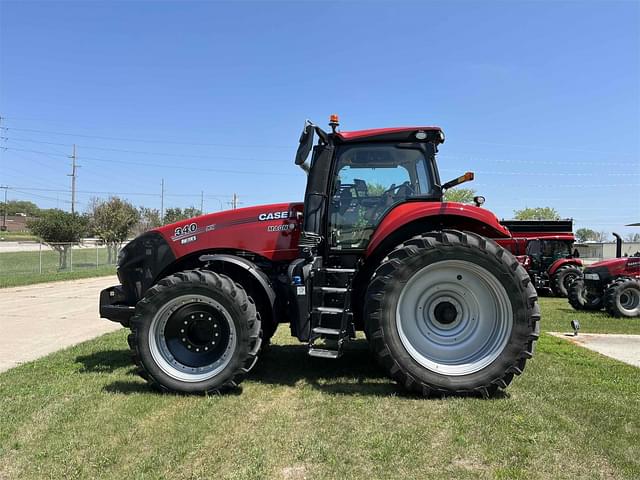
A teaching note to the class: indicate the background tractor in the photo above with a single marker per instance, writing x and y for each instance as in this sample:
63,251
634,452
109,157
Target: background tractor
612,284
444,307
545,248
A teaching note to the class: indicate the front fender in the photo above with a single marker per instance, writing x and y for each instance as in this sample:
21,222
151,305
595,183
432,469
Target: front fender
248,266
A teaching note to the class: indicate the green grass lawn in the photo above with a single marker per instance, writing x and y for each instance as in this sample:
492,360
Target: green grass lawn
23,268
17,237
81,413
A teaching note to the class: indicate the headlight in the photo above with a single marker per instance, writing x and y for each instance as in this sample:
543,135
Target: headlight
591,276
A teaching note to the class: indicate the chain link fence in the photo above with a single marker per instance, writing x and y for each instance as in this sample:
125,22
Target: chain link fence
31,258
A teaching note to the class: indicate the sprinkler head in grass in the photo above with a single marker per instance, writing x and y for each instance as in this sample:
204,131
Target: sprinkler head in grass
575,324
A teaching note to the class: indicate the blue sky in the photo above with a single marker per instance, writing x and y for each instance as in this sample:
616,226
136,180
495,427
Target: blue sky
541,99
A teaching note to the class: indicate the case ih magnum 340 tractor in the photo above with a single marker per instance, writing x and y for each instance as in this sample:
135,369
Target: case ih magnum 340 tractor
612,284
545,248
444,307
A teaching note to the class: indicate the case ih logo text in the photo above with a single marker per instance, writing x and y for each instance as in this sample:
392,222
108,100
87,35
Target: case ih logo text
273,216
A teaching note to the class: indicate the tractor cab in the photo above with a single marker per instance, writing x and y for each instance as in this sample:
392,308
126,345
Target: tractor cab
547,246
545,252
354,180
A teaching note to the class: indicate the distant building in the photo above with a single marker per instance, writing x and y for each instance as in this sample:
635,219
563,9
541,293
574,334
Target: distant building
15,223
600,250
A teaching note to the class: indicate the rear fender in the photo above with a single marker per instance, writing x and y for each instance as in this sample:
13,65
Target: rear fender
412,218
561,262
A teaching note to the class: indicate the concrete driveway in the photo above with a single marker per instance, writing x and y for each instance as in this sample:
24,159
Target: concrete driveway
39,319
625,348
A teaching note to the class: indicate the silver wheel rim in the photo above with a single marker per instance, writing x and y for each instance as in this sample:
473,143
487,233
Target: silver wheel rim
630,301
163,357
478,333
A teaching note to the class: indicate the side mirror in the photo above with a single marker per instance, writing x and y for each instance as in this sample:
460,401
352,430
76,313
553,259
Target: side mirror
467,177
306,143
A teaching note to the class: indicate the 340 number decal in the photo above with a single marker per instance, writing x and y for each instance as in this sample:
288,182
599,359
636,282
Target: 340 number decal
192,227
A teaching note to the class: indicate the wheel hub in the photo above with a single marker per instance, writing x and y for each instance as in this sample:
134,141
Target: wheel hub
454,317
445,313
192,338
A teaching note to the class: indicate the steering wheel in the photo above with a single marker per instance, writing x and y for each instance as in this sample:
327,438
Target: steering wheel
393,188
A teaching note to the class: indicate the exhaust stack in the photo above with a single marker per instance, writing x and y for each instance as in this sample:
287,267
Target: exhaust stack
618,245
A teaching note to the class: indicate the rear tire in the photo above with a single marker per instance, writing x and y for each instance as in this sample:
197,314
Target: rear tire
563,278
195,332
622,298
452,312
580,299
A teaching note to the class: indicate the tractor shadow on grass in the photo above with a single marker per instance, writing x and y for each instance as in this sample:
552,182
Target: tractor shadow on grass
105,361
355,373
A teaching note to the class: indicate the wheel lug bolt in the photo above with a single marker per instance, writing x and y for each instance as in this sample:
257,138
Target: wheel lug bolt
197,349
188,346
182,330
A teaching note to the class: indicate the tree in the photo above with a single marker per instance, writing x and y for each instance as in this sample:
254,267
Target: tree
149,218
14,207
176,214
632,237
538,213
59,229
112,222
585,234
460,195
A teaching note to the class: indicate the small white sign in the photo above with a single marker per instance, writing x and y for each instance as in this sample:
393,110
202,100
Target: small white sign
301,290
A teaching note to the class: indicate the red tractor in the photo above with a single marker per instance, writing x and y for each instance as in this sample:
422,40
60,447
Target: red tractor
612,284
444,307
545,248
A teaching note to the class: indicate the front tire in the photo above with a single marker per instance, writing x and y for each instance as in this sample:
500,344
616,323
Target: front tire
622,298
195,332
563,278
452,312
580,298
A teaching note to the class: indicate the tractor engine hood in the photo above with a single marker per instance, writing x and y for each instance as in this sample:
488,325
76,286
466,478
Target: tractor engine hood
614,267
270,231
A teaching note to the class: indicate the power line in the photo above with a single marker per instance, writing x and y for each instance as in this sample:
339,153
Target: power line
124,139
141,152
149,164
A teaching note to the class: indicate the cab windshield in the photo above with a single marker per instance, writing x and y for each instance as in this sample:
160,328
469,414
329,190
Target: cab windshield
370,180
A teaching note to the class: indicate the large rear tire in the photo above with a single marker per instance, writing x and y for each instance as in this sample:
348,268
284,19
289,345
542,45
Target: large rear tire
622,298
452,312
563,278
580,298
195,332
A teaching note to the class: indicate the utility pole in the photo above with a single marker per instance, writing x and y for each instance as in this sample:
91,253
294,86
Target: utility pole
234,201
4,214
73,176
162,201
202,202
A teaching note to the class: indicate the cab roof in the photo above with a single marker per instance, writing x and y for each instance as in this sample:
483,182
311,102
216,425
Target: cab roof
397,134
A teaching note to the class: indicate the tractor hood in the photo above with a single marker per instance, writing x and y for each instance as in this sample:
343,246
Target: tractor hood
271,231
614,267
